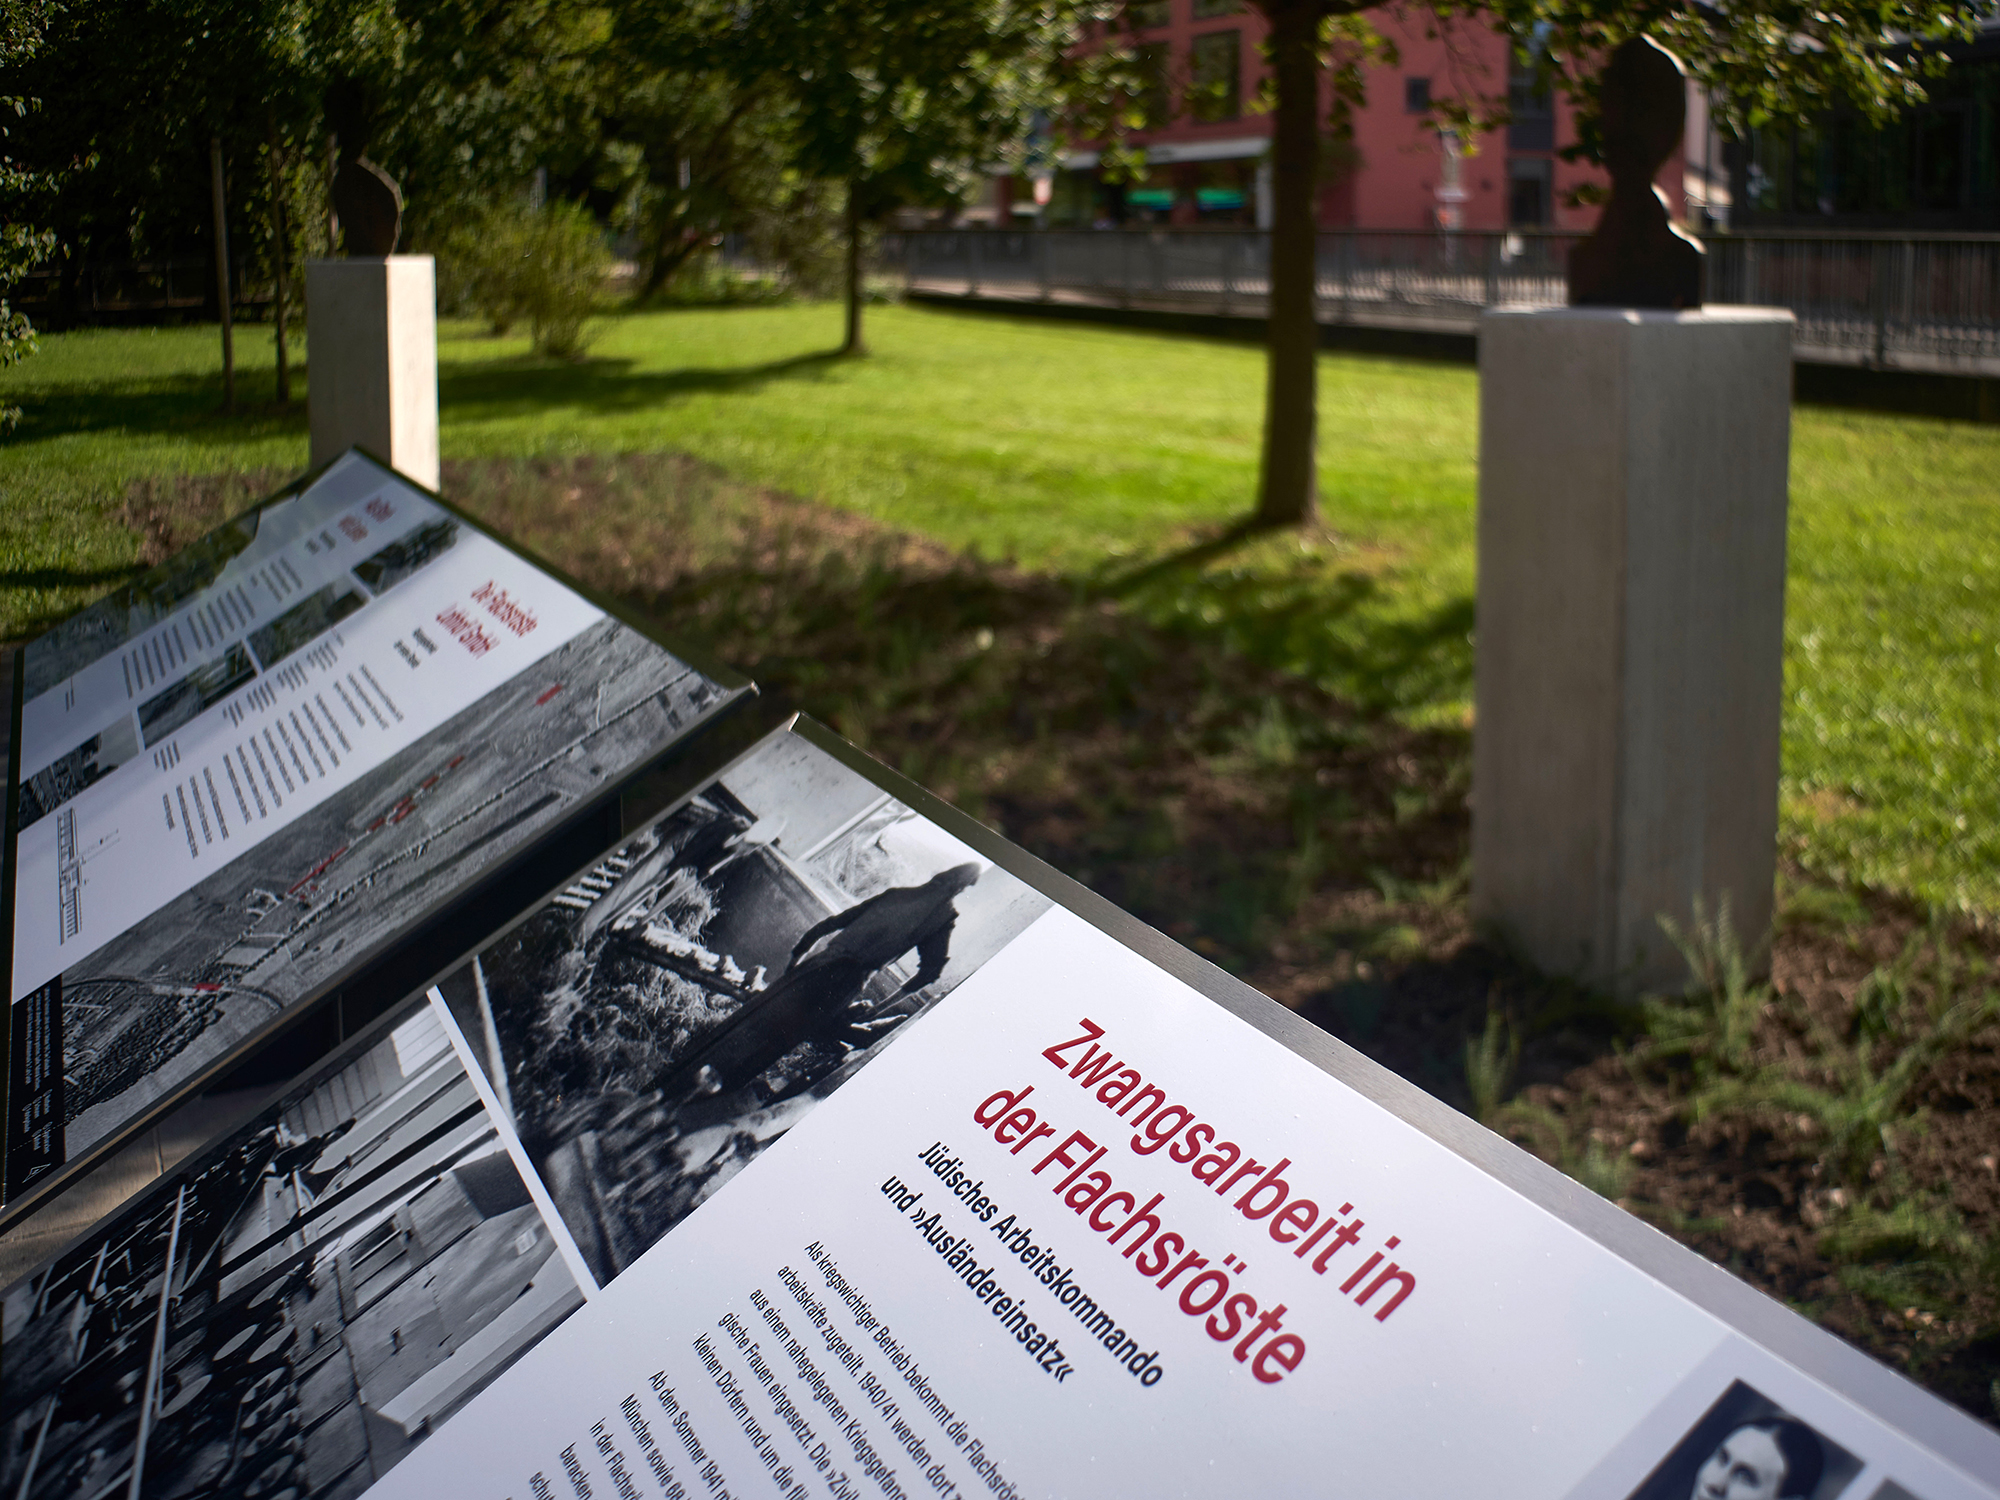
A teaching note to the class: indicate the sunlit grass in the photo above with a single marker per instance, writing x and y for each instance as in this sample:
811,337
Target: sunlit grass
1092,453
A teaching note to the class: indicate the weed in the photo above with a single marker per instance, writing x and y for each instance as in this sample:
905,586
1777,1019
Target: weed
1830,908
1852,1089
1437,894
1713,1024
1489,1065
1578,1153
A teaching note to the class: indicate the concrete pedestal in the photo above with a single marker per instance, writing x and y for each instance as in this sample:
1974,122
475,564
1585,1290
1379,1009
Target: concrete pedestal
371,323
1632,488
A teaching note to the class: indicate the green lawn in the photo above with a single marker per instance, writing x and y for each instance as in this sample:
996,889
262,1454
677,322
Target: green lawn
1097,453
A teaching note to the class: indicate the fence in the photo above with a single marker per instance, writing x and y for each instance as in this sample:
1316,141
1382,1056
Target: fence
184,283
1885,300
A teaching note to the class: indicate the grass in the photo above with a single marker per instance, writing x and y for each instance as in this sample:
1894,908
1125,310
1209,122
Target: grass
1262,747
1091,454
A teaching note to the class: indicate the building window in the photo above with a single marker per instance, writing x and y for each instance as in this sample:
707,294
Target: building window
1156,95
1530,180
1149,15
1941,159
1531,116
1208,10
1416,95
1215,75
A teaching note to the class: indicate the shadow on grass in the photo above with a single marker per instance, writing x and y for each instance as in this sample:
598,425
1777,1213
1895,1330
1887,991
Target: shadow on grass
187,405
1337,629
191,405
64,578
607,385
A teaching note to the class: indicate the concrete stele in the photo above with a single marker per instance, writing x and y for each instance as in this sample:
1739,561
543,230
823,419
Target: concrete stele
372,329
1632,498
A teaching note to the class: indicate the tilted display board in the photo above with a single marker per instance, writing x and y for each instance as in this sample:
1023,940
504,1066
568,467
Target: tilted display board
817,1142
256,769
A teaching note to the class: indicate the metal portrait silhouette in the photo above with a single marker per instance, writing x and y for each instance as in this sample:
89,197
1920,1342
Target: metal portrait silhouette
365,198
1636,257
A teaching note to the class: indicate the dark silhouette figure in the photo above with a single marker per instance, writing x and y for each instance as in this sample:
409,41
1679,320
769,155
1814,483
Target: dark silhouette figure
365,197
829,966
1636,257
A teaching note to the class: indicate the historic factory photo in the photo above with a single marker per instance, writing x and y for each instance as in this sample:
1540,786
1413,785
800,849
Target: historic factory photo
665,1018
298,1311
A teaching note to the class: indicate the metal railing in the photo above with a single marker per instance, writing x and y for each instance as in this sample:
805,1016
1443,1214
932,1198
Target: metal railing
1924,302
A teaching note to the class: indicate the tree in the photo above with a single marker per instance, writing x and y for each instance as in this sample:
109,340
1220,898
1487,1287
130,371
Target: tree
133,96
907,102
691,152
22,245
1776,59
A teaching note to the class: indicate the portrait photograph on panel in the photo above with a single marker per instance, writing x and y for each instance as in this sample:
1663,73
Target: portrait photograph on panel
665,1018
1747,1447
300,1309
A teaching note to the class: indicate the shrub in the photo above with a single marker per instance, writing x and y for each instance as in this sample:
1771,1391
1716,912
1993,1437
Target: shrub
705,281
543,267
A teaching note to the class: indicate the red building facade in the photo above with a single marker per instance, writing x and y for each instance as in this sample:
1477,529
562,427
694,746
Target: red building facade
1208,134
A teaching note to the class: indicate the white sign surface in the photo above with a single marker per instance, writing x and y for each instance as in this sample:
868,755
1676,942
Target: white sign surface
294,731
796,1149
969,1274
266,758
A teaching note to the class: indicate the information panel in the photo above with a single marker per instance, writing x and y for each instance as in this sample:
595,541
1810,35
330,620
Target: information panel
807,1146
257,766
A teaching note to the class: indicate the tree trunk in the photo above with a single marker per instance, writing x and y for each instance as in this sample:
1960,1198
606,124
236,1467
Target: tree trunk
853,344
1288,483
332,219
222,297
280,253
671,251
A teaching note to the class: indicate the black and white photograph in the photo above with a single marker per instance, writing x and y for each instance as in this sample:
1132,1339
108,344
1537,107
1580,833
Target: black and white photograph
67,775
134,608
174,992
1747,1447
660,1022
292,1315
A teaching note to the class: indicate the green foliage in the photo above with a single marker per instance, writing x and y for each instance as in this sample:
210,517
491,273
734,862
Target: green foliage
1771,1060
1489,1065
1578,1154
1916,1257
706,282
22,245
909,102
1852,1088
1859,1103
1711,1027
543,267
1775,61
